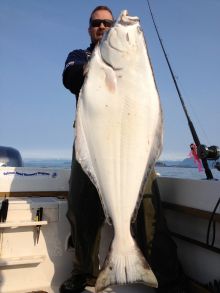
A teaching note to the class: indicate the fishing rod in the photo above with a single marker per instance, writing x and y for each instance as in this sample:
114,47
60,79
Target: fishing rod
205,153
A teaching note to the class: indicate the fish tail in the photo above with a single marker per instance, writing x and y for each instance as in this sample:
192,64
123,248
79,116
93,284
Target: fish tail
122,268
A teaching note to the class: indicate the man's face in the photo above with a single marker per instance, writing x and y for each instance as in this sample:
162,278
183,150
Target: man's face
97,28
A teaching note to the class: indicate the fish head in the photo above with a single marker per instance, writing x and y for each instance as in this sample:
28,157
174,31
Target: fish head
122,41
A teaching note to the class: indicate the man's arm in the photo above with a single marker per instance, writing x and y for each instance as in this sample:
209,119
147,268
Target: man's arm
73,77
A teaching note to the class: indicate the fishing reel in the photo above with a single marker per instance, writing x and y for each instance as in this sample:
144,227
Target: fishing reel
209,153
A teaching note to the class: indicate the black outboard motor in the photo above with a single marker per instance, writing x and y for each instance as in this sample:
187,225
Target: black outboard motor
10,157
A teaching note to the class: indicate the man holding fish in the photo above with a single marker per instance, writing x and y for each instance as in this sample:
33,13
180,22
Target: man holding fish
106,158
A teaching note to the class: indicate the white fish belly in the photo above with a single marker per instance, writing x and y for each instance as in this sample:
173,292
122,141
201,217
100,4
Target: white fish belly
118,139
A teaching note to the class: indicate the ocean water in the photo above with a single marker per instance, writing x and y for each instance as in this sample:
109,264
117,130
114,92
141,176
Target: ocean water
188,173
176,172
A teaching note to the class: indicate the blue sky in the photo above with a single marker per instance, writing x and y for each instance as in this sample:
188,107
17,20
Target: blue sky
37,112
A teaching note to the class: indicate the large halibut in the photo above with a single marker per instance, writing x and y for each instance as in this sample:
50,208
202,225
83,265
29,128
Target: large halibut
118,140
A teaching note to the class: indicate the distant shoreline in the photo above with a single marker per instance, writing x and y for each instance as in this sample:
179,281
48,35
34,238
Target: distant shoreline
66,163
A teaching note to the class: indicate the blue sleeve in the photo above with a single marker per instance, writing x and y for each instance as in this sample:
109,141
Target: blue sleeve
73,71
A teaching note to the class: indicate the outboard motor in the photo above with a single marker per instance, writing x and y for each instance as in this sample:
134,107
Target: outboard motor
10,157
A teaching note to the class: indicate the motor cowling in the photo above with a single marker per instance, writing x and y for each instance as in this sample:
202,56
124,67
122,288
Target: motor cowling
10,157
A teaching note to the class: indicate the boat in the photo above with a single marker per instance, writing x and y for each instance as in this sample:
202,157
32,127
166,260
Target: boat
29,264
192,211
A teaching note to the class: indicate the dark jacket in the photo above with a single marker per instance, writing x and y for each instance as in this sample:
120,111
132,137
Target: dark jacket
73,77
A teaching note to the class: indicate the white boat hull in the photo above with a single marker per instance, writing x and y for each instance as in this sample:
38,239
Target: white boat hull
189,204
26,266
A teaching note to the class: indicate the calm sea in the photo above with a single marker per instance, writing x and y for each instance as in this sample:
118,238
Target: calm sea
177,172
190,173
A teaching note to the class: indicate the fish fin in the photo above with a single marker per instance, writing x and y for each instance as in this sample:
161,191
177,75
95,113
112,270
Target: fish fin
154,155
84,158
125,268
81,147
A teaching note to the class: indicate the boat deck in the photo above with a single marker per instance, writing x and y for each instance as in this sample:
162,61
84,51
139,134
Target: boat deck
132,288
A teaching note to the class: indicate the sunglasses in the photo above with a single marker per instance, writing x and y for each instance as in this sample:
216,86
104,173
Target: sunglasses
97,22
